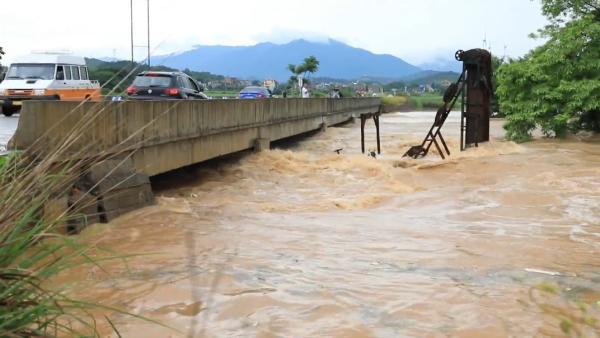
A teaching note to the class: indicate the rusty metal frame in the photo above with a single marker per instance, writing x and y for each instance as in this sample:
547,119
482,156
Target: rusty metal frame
435,132
363,120
476,107
474,88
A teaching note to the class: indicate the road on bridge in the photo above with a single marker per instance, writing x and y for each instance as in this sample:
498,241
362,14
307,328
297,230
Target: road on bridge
8,125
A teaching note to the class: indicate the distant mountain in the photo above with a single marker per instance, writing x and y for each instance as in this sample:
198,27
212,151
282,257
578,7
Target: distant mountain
268,60
443,65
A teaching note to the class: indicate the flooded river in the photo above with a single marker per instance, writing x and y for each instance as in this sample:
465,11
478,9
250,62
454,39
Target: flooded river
303,242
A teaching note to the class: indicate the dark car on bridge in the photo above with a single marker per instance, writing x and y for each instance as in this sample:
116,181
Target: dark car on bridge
255,92
165,85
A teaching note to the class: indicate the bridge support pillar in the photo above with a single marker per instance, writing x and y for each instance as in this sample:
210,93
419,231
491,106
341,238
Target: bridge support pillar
102,192
118,187
262,144
324,127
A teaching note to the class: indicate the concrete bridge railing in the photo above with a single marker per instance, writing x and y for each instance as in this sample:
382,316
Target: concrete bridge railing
168,135
160,136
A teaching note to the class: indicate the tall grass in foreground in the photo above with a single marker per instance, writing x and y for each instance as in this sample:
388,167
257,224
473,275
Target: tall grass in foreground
32,250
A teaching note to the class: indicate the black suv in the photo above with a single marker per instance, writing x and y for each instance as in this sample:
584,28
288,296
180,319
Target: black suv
165,85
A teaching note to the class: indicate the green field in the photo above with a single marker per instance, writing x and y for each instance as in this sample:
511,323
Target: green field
426,102
394,100
220,94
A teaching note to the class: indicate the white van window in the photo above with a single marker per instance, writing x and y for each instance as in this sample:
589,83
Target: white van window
75,71
60,73
31,71
67,73
84,73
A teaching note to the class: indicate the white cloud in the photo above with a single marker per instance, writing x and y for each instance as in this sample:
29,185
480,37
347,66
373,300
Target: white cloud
418,31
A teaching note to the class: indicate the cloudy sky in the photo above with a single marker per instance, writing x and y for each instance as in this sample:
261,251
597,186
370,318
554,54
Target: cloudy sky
416,30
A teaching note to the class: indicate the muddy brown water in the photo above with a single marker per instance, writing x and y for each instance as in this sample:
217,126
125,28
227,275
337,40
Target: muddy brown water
302,242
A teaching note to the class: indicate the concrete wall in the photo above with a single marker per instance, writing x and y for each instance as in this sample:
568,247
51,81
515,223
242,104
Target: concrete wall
167,135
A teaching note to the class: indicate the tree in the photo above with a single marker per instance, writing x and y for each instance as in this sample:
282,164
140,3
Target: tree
309,66
556,87
496,63
574,9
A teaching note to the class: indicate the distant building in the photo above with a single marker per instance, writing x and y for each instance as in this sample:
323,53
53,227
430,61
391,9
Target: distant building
445,83
227,83
375,88
230,81
324,86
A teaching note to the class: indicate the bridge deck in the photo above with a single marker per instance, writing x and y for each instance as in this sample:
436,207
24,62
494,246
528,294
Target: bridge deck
167,135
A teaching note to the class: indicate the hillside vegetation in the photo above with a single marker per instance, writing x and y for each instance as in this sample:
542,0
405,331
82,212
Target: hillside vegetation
118,75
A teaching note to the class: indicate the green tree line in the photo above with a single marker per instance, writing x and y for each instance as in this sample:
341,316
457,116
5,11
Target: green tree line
117,76
555,87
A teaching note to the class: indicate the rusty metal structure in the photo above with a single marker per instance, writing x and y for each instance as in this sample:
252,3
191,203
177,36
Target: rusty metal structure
474,88
363,120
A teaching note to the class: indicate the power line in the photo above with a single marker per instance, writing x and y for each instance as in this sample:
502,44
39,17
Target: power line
148,31
131,12
148,12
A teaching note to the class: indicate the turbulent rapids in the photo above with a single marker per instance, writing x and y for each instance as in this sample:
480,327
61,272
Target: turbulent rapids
303,242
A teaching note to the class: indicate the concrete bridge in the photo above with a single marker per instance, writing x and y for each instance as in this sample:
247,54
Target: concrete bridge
137,140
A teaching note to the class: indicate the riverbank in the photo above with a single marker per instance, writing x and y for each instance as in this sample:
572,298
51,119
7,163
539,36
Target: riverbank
428,103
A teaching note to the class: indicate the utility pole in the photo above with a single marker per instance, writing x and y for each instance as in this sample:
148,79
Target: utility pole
148,11
131,12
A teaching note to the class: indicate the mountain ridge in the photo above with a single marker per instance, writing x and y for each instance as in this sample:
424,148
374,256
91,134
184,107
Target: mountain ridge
270,60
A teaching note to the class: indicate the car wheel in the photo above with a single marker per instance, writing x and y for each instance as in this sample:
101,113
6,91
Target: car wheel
8,111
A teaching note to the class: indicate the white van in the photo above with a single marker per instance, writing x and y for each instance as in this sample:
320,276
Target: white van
46,77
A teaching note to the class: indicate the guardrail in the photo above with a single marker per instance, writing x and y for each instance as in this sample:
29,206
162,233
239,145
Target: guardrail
155,124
